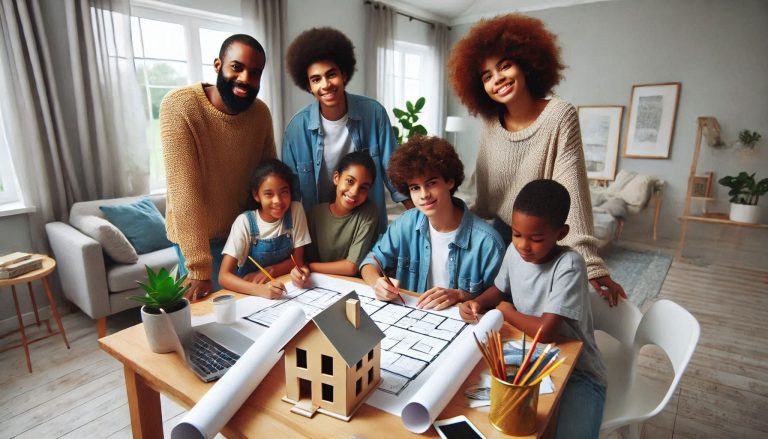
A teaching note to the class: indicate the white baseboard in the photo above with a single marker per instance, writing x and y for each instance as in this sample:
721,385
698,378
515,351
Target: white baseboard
12,323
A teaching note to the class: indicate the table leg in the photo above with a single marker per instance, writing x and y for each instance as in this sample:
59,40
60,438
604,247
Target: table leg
54,310
144,405
34,307
21,328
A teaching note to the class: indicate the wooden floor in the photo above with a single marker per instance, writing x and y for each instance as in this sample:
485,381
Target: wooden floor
79,393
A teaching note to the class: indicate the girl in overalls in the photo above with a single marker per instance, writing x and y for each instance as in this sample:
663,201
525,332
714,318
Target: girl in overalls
270,234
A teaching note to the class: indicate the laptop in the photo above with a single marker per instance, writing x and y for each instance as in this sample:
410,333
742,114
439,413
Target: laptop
211,349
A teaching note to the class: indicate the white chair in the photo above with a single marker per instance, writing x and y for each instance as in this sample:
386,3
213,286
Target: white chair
631,397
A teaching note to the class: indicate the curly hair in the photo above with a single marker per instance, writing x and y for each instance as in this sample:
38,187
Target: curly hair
421,155
545,199
522,39
319,44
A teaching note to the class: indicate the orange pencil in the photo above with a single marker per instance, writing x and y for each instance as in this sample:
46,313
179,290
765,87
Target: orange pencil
535,365
527,357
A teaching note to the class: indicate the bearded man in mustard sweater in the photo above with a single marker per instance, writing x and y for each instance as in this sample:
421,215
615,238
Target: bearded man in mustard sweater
213,137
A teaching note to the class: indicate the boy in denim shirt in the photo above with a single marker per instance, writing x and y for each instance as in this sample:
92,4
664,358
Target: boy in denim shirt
542,284
440,249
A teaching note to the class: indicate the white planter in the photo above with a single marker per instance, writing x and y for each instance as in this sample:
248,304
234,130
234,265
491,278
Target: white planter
744,213
159,336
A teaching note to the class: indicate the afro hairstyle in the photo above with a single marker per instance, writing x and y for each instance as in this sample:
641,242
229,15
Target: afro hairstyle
319,44
422,155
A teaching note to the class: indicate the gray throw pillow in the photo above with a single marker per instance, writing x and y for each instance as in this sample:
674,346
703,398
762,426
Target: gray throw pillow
112,240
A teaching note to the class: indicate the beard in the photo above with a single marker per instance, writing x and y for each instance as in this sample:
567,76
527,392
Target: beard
234,103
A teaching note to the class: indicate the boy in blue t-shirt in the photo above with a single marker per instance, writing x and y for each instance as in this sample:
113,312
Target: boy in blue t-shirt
542,284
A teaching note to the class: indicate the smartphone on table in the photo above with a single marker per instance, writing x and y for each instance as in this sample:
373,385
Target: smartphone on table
457,427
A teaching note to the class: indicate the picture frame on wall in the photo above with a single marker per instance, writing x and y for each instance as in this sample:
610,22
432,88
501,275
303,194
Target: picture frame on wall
600,127
701,185
652,113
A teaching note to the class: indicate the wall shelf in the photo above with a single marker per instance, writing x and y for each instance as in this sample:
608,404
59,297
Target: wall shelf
711,128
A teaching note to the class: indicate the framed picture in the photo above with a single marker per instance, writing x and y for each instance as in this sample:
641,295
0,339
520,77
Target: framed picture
600,126
701,185
652,112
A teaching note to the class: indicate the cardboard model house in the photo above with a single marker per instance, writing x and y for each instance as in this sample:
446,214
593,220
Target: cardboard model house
334,362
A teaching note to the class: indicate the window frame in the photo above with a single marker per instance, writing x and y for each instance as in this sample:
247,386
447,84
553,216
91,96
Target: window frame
191,20
11,198
426,118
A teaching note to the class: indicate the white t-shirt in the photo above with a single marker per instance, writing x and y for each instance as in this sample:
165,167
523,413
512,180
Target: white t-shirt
337,143
239,241
438,260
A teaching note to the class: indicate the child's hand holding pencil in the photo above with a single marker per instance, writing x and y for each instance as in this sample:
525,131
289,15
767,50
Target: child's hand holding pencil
299,274
470,311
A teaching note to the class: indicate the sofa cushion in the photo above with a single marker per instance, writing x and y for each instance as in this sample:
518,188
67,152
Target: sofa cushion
84,208
112,240
122,277
141,223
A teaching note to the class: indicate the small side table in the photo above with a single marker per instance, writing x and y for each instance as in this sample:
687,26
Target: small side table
49,264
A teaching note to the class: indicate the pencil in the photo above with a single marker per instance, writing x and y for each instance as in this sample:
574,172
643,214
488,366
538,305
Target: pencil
533,368
548,371
527,358
295,264
386,278
266,273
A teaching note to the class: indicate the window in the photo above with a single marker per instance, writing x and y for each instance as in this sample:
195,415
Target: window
9,189
301,358
358,386
411,81
173,47
370,376
327,392
370,355
359,364
326,365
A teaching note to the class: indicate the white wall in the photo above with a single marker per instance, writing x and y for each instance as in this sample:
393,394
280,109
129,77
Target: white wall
717,49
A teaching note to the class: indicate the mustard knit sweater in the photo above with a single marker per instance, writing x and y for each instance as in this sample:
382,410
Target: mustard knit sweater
549,148
209,157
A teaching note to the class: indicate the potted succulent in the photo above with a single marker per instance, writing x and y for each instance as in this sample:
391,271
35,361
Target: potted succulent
163,302
748,139
744,192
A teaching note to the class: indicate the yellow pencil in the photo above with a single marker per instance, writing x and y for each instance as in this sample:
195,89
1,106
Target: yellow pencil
547,372
535,365
266,273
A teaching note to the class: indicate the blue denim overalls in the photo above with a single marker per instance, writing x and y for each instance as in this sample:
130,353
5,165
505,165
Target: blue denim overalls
267,251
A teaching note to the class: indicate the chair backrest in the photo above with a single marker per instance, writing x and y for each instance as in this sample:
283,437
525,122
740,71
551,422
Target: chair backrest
620,321
672,328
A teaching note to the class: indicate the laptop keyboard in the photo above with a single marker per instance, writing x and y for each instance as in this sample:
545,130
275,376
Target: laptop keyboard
209,359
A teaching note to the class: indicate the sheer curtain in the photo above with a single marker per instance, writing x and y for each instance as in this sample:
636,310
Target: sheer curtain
379,54
263,20
439,44
32,117
112,140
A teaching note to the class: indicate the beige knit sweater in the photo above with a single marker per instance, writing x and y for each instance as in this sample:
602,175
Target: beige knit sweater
549,148
209,157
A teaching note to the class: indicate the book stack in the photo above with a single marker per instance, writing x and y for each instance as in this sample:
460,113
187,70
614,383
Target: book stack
16,264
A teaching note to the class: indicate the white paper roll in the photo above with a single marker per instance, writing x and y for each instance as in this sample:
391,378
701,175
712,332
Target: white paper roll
221,402
422,410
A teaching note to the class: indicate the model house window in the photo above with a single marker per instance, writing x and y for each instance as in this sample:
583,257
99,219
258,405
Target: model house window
326,365
370,355
358,386
370,376
301,358
173,48
359,364
327,392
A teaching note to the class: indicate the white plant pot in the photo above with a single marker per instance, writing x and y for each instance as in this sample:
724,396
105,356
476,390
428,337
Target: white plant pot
159,336
744,213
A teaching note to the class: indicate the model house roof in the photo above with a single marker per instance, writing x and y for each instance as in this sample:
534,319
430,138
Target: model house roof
351,343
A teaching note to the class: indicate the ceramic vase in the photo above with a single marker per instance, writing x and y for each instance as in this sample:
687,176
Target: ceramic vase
159,336
744,213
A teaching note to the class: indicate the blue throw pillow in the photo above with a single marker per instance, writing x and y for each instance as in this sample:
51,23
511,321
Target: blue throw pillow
141,223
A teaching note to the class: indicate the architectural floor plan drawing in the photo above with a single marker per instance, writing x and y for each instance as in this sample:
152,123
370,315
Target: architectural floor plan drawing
414,338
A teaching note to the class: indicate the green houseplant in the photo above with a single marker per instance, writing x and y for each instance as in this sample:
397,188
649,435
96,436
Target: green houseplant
748,138
744,191
164,304
407,119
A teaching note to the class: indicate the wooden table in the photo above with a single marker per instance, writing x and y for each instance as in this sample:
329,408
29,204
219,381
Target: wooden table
264,414
49,264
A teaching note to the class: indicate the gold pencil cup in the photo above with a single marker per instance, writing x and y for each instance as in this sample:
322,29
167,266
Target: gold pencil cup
513,408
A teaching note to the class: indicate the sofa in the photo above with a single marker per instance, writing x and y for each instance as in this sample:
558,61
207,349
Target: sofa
97,265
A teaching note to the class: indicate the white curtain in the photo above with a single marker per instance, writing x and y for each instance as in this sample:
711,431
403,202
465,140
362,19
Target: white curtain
439,43
263,20
32,117
111,139
379,54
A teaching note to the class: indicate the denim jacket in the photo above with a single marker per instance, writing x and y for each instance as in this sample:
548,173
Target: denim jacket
370,130
474,257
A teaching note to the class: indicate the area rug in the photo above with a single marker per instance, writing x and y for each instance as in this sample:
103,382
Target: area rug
640,272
